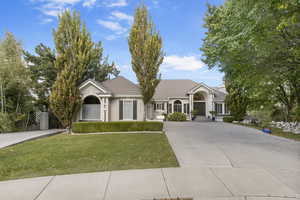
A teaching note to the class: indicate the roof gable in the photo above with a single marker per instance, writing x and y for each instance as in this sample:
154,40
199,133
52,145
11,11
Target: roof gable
95,84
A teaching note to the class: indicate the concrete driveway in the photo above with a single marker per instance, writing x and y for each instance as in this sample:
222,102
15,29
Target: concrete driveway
231,147
8,139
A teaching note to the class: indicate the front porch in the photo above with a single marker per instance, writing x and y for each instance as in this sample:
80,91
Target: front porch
200,101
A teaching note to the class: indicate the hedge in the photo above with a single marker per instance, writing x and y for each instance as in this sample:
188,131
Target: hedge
229,119
176,116
97,127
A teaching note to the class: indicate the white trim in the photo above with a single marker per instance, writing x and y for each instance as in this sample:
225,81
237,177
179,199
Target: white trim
91,82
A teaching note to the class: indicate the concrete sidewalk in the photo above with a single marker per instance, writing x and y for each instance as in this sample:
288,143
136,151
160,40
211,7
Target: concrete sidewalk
9,139
199,183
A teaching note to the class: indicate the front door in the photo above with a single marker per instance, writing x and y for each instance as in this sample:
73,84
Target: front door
200,107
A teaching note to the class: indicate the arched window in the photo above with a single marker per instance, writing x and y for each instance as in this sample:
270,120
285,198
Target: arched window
177,106
91,109
199,97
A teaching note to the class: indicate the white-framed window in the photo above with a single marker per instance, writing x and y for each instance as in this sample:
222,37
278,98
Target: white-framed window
127,110
219,108
186,108
159,106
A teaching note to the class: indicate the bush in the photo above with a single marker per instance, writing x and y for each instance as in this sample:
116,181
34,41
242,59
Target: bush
97,127
6,124
177,117
228,119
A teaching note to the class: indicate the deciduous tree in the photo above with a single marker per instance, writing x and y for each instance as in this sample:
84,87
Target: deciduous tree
73,54
145,45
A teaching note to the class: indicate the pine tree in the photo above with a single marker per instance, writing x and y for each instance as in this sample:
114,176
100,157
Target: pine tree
74,48
145,45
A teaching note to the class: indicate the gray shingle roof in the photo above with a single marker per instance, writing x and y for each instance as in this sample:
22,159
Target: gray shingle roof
121,86
166,88
219,95
173,88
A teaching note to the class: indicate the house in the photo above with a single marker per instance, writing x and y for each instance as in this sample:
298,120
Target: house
120,99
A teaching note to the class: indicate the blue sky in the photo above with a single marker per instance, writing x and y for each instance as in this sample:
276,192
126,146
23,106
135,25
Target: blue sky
178,21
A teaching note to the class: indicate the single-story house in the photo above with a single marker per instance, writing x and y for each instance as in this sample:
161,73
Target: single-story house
119,99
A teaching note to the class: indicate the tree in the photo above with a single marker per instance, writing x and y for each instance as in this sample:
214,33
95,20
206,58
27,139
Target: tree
74,51
145,45
260,41
43,73
15,81
99,68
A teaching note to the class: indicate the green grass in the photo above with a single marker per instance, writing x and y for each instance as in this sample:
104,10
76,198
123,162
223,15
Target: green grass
67,154
277,132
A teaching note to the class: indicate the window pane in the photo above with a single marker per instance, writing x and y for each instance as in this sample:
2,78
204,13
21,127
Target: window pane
128,110
91,112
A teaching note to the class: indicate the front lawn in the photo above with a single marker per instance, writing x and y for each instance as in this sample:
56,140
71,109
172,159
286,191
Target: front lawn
67,154
276,131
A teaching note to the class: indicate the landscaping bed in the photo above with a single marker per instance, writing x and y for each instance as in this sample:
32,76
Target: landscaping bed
276,131
67,154
126,126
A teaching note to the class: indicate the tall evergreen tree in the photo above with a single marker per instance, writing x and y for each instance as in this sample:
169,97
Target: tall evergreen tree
74,50
99,68
145,45
43,73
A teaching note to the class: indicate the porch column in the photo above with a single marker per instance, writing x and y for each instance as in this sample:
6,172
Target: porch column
223,108
107,109
102,109
191,96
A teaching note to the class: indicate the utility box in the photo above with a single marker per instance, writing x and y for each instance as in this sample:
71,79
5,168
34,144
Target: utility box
44,121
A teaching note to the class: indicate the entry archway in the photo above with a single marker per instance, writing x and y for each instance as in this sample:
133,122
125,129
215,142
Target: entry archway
91,109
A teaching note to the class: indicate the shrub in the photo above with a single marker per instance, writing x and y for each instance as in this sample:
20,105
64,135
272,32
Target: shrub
96,127
6,124
177,117
228,119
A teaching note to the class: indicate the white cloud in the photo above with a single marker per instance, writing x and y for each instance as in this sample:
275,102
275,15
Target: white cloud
122,16
113,26
116,3
54,7
111,37
46,20
187,63
89,3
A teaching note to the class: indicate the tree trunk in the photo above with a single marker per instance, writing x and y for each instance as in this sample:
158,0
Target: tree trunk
2,98
145,112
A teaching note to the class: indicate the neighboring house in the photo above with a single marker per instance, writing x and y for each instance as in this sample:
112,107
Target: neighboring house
120,99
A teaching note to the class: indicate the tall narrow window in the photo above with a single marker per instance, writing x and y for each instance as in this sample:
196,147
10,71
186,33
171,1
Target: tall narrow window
169,108
127,110
186,108
226,109
219,108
